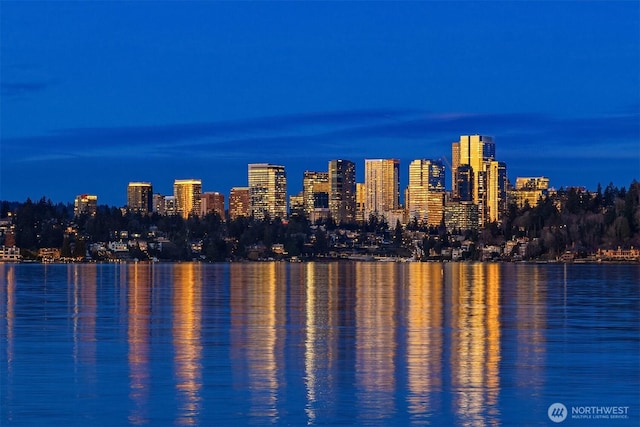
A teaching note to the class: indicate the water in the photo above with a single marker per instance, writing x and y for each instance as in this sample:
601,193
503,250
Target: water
318,344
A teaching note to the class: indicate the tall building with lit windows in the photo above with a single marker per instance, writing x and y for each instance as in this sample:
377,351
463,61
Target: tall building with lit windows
478,177
187,194
425,192
496,190
267,190
342,192
239,202
382,186
140,197
315,191
212,202
529,190
85,204
361,201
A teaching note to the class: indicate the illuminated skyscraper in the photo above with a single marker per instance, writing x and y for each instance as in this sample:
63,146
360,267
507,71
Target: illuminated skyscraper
187,196
425,193
342,194
479,174
267,190
140,197
496,190
464,183
529,190
475,151
382,186
85,204
361,201
212,202
239,202
315,191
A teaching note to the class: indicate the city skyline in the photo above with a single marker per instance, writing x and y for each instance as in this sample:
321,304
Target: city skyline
96,95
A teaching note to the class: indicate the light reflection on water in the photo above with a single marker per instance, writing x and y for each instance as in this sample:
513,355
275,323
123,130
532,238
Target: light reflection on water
315,343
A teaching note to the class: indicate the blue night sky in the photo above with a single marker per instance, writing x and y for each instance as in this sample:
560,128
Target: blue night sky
97,94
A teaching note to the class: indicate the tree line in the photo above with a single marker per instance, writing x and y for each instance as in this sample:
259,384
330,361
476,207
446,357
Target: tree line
570,219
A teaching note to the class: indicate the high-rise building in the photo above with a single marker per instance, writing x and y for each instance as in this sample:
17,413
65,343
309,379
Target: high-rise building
479,174
159,204
361,201
267,190
140,197
464,183
170,205
461,215
187,196
529,190
342,193
239,202
532,183
455,163
296,204
425,192
475,151
85,204
315,189
212,202
496,190
382,186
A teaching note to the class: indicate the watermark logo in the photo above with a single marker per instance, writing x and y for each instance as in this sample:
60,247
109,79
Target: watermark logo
557,412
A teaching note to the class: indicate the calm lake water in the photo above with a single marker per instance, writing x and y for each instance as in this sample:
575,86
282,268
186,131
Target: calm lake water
348,343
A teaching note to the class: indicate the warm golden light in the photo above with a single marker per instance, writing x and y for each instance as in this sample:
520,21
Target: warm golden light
475,341
138,332
376,337
187,324
423,295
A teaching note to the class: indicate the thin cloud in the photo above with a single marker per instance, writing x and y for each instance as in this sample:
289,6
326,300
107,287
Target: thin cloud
395,132
17,89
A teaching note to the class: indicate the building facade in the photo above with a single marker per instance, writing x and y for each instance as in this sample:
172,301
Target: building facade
140,197
267,191
315,192
239,202
187,194
461,215
85,204
382,186
212,202
425,192
342,192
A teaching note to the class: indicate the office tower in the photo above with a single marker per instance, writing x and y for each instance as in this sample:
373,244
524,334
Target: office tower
425,192
212,202
85,204
529,190
296,204
464,183
455,163
361,200
140,197
461,215
475,151
187,196
342,192
239,202
158,204
532,183
313,185
267,191
170,205
496,190
382,186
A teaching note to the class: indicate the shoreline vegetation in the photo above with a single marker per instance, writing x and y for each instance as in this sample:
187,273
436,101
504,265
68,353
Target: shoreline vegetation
572,226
